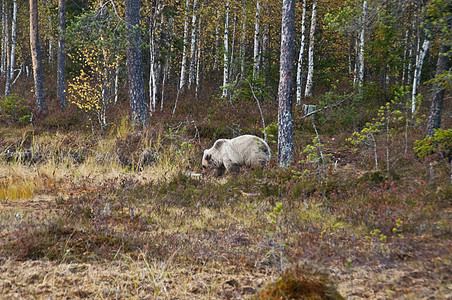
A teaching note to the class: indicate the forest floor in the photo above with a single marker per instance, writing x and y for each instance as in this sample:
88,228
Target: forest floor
94,228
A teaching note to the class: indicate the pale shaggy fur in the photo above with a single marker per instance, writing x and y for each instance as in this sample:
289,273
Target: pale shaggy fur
245,150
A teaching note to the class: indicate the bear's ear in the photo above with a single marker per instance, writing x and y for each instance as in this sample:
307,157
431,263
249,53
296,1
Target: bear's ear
218,144
208,157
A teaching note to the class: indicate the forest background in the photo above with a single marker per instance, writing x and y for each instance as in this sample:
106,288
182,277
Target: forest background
97,174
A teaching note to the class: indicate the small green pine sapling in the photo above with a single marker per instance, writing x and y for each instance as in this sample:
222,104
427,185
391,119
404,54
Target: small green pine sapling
274,233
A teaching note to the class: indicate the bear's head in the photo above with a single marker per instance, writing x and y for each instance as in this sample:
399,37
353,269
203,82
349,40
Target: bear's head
206,160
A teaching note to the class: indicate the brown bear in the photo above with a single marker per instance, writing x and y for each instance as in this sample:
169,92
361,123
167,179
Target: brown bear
244,150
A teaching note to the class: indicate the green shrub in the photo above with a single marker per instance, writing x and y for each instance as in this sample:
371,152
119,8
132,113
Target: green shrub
14,109
441,142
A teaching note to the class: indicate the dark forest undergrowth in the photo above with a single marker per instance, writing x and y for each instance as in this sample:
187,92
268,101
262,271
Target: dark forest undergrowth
123,213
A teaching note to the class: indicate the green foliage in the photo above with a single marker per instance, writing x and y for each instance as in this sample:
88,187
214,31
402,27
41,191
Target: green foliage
439,13
14,110
346,110
390,118
440,142
272,133
275,236
313,152
96,43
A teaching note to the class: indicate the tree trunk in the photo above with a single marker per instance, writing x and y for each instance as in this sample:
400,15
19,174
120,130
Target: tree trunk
308,90
232,68
226,52
154,54
61,60
3,59
8,50
198,59
242,42
300,56
13,39
436,108
41,106
360,78
191,76
417,73
217,38
50,29
285,121
184,51
256,40
135,65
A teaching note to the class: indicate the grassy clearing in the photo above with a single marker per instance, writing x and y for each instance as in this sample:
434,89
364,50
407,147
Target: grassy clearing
90,205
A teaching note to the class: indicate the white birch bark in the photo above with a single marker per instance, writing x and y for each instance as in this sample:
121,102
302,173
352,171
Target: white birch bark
226,52
232,68
242,42
116,91
13,40
8,50
417,73
256,40
308,90
217,38
356,67
191,77
153,59
198,58
300,56
3,59
184,52
263,49
361,47
51,41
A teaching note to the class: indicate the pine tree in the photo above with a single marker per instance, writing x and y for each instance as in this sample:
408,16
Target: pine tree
285,121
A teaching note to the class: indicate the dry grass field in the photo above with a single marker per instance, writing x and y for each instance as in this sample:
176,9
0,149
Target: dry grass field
125,216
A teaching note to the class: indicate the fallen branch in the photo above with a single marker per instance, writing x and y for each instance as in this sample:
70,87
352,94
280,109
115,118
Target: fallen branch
325,108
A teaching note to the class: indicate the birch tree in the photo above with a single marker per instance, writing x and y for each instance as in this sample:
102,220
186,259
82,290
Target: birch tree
191,77
256,40
217,38
8,50
436,108
154,54
285,121
13,40
243,40
226,52
417,72
198,59
3,58
360,61
300,56
61,60
308,90
135,64
184,51
232,65
35,46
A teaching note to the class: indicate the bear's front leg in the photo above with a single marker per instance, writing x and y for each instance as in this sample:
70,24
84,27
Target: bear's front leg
232,167
219,171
